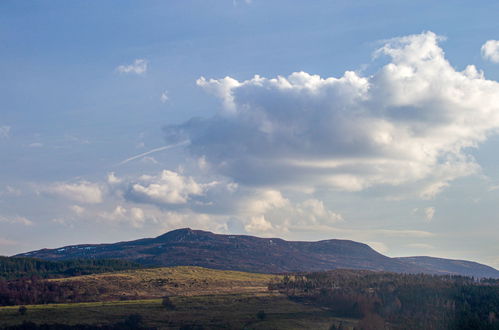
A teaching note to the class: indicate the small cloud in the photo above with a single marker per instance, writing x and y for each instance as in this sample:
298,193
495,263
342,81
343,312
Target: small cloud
379,246
492,188
258,224
403,233
134,216
4,132
11,191
76,139
490,51
149,160
167,188
263,201
62,221
112,178
137,217
139,67
77,209
202,163
164,97
83,191
420,246
16,220
35,145
429,212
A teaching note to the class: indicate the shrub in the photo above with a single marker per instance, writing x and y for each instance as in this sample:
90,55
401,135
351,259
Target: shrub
22,310
261,315
167,303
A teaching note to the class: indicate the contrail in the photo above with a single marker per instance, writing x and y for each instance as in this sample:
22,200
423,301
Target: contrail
183,143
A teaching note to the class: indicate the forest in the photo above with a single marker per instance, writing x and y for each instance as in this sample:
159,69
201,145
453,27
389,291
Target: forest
13,268
416,301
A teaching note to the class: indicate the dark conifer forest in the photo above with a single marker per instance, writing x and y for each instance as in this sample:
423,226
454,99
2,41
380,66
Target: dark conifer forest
414,301
12,268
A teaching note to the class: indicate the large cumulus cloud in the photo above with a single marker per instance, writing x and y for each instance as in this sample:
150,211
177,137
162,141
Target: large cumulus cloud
411,121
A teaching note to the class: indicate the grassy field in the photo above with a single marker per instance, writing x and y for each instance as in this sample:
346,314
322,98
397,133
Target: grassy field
223,311
213,299
170,281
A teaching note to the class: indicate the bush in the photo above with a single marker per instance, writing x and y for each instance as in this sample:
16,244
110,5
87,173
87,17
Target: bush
261,315
167,303
133,321
22,310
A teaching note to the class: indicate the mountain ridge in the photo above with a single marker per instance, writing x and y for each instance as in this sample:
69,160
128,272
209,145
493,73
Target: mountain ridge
188,247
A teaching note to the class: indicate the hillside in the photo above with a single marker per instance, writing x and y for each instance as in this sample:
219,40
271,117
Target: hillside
445,266
189,247
175,281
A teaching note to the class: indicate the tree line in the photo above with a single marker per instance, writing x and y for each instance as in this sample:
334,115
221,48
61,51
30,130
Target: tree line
21,267
382,299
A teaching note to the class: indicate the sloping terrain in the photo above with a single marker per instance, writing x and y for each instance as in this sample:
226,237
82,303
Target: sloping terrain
247,253
446,266
169,281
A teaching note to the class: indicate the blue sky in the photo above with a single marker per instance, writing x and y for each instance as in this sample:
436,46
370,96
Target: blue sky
301,120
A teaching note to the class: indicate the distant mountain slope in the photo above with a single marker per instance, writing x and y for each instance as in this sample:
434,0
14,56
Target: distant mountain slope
189,247
446,266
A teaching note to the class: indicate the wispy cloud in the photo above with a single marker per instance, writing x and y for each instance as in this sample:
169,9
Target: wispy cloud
170,146
164,97
82,191
4,132
16,220
429,213
139,66
35,145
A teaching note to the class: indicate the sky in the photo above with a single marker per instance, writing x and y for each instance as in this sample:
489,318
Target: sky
306,120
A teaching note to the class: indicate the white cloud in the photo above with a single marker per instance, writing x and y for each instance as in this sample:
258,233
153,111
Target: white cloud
169,187
313,211
113,179
379,246
170,146
139,67
11,191
403,233
411,122
137,217
4,132
16,220
258,225
118,213
149,160
164,97
82,192
78,210
134,216
429,213
261,202
35,145
490,51
420,246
